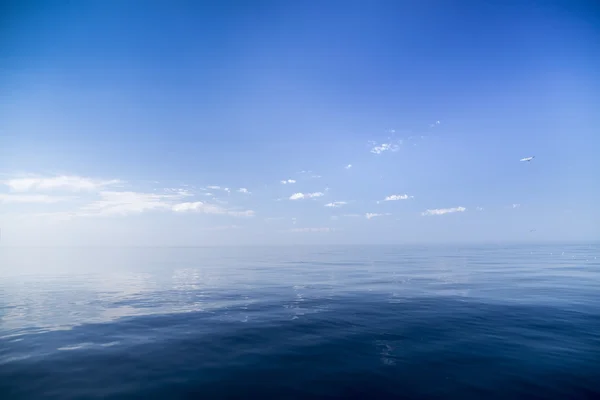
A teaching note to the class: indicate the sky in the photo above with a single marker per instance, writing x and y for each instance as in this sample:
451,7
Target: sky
180,123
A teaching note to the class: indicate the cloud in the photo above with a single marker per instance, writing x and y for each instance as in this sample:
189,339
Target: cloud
286,181
516,205
123,203
220,228
206,208
213,187
243,190
373,215
336,204
64,182
442,211
378,149
395,197
30,198
348,166
479,208
352,215
299,196
305,230
436,123
245,213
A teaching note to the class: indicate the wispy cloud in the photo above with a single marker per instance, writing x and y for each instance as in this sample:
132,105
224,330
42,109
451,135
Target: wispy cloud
300,196
336,204
286,181
383,147
352,215
123,203
311,230
396,197
436,123
213,187
313,176
374,215
479,208
62,182
348,166
30,198
206,208
516,205
442,211
244,190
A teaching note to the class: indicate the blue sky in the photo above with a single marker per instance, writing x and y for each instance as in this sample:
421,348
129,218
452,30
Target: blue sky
117,116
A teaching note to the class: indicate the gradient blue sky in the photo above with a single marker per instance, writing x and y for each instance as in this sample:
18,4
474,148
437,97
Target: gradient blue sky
116,117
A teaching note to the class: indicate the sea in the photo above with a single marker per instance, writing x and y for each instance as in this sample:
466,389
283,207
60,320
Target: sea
323,322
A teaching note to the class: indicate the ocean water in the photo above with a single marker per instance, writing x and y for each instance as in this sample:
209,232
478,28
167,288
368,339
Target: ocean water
374,322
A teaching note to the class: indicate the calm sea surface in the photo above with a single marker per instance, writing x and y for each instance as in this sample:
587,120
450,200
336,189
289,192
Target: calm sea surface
520,322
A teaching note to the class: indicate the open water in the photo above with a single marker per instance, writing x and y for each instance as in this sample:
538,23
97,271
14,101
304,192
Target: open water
374,322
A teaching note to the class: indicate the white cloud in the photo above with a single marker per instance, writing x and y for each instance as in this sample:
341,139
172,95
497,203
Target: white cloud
198,206
479,208
336,204
304,230
245,213
516,205
299,196
286,181
244,190
442,211
123,203
213,187
30,198
378,149
220,228
348,166
205,208
395,197
436,123
373,215
64,182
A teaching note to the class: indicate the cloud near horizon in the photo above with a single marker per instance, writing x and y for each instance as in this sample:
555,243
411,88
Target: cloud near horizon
300,196
65,182
442,211
336,204
396,197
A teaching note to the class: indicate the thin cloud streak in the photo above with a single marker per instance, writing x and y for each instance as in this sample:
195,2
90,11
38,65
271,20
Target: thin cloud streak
300,196
31,198
62,182
374,215
336,204
396,197
442,211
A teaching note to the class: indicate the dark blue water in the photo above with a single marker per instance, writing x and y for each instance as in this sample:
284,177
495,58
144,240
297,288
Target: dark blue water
493,322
